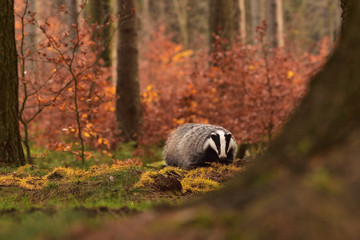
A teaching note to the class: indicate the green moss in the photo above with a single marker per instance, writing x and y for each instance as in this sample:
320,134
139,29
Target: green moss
198,180
198,185
33,198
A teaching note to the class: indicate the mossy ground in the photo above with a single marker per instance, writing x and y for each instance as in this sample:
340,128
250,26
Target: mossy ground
48,202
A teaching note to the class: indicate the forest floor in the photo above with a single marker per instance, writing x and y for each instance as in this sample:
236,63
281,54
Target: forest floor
51,203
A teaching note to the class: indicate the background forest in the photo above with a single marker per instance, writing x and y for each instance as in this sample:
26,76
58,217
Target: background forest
247,78
102,84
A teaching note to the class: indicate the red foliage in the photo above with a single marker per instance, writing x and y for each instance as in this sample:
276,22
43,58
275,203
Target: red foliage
233,92
63,76
128,162
249,89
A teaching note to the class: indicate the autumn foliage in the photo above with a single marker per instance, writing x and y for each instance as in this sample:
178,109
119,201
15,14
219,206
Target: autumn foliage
67,96
249,89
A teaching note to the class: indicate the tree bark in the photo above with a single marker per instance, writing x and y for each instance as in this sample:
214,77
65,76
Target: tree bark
115,42
11,152
276,23
146,20
198,26
331,19
180,8
254,17
242,20
100,11
73,17
33,31
128,105
347,6
221,20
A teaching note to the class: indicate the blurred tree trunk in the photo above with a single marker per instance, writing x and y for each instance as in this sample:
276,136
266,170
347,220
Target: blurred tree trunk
33,33
255,14
31,29
128,104
275,23
180,7
73,17
58,3
114,43
331,19
100,11
309,177
11,152
221,20
198,27
146,21
346,6
70,18
157,10
254,17
240,18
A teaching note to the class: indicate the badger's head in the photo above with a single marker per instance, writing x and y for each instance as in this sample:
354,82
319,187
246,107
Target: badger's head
223,144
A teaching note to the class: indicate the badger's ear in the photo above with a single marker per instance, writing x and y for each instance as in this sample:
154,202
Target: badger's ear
228,137
214,136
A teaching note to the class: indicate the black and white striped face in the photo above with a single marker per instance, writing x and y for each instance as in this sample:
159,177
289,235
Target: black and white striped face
221,142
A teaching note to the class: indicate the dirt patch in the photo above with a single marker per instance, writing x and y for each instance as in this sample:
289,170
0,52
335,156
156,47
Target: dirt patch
197,180
170,181
55,176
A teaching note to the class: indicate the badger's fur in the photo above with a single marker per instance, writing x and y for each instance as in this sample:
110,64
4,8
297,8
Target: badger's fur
195,145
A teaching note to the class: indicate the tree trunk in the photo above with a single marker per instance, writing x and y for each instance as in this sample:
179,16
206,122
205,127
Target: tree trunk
221,20
319,143
146,21
11,152
128,105
157,10
73,17
58,3
115,41
33,32
180,8
100,11
347,6
254,17
275,23
198,26
331,20
240,18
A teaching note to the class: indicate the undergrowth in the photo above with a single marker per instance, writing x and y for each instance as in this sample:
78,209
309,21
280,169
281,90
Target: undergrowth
42,201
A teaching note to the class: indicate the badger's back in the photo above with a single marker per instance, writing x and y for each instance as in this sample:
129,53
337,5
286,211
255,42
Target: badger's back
185,145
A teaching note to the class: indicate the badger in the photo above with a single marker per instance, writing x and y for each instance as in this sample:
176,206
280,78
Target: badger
195,145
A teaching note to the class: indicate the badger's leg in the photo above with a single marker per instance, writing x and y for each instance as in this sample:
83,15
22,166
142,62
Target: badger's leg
171,161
